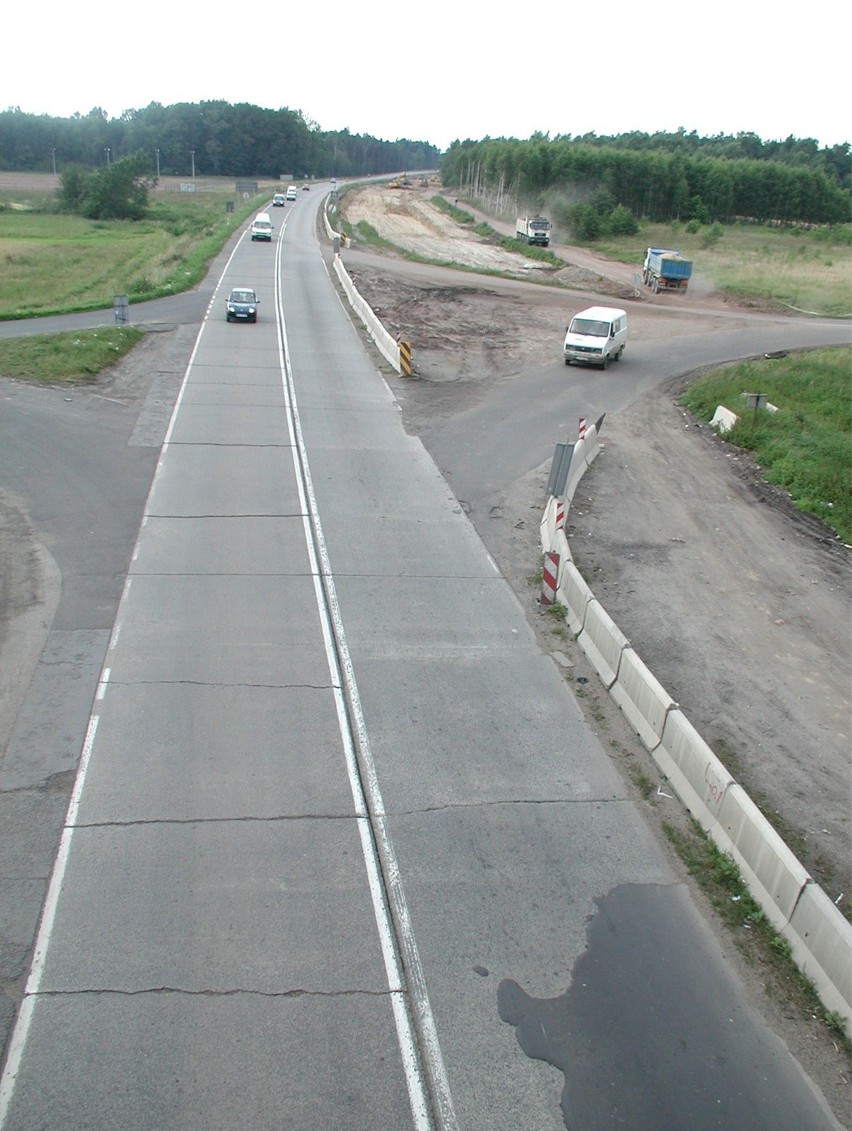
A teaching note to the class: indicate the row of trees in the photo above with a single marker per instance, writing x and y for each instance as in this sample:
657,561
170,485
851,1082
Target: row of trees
205,138
657,176
832,160
659,185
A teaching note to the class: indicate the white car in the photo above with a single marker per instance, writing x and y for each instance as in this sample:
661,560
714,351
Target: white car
291,192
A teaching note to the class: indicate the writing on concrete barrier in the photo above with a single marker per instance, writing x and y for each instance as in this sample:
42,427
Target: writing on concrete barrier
715,788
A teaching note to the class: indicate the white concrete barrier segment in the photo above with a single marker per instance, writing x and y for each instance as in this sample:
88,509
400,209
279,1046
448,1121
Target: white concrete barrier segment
696,774
602,641
575,595
547,526
642,698
580,462
774,875
822,952
385,342
723,419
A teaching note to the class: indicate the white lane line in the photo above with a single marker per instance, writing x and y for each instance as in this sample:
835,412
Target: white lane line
18,1039
376,842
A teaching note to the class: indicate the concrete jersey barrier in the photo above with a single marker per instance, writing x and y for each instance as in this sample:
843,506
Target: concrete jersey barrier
820,937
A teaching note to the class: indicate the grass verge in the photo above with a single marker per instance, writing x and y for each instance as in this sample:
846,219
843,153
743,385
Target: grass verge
51,263
805,448
66,358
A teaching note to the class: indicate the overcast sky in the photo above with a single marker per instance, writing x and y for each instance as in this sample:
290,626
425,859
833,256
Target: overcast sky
443,71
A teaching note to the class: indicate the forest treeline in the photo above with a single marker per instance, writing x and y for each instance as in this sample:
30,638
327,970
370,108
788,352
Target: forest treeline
657,177
209,138
663,177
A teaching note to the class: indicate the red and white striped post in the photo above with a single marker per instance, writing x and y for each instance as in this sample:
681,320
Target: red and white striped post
560,514
549,574
582,428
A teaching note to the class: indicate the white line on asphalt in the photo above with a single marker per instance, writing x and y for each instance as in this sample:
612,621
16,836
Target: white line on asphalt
376,842
18,1039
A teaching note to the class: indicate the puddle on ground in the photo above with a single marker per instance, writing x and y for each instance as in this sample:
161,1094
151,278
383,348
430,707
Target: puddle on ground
652,1033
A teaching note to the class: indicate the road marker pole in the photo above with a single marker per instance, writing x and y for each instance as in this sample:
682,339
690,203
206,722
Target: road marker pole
548,578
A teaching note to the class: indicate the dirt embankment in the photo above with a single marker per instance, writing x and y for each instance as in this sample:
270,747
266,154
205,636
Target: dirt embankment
406,218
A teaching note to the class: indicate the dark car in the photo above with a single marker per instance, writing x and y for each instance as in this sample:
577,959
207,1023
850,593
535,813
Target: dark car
241,305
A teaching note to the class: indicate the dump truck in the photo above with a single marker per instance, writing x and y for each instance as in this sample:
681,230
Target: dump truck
533,230
665,269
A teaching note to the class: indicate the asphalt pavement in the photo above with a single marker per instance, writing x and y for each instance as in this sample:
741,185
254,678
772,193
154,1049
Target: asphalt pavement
213,953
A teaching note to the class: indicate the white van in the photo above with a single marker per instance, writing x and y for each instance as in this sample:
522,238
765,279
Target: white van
596,336
261,227
291,192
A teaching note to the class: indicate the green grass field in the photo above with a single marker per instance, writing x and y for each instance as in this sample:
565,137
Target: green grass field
52,263
788,268
805,448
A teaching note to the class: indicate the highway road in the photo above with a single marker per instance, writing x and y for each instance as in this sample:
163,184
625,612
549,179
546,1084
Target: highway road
341,851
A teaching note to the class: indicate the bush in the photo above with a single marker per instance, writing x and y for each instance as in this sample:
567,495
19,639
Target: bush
586,223
114,192
601,218
622,222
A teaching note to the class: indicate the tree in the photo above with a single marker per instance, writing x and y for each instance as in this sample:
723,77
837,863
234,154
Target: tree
585,222
118,191
73,181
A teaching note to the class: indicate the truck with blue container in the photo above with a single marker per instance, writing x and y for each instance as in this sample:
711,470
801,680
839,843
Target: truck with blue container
665,269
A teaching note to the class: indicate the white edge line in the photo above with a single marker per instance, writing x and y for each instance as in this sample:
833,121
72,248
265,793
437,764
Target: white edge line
333,633
20,1032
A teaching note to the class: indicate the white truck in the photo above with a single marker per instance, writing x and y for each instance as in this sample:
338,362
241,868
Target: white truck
533,230
596,336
